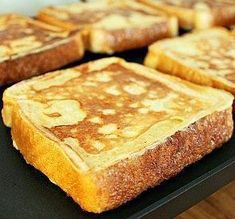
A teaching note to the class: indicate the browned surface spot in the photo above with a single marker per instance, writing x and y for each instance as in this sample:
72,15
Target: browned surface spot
220,56
35,64
217,56
98,22
14,28
29,48
116,102
15,31
165,160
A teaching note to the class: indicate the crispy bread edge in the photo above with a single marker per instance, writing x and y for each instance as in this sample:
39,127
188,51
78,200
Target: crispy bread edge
48,157
223,16
108,188
197,18
185,16
108,41
130,177
33,64
105,41
157,59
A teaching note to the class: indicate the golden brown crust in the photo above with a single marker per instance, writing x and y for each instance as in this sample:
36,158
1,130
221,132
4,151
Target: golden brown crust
187,57
105,189
29,65
165,160
159,60
198,14
74,149
98,33
47,156
217,16
125,39
185,15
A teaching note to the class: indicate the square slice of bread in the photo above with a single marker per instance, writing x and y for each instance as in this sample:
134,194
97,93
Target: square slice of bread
198,14
107,130
204,57
110,26
29,47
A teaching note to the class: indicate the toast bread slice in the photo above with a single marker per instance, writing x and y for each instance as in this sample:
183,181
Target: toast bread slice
29,47
105,146
110,26
204,57
199,14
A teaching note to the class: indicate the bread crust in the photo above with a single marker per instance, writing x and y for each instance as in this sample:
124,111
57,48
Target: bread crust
33,64
104,41
165,160
157,59
197,18
224,16
101,190
185,16
48,157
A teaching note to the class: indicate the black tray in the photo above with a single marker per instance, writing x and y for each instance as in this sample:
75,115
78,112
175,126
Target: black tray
26,193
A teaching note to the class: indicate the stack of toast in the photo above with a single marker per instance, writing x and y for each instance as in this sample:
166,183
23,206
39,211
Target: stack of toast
107,130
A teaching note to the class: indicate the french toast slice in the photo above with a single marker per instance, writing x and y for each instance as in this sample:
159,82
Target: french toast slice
110,26
107,130
199,14
204,57
29,47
